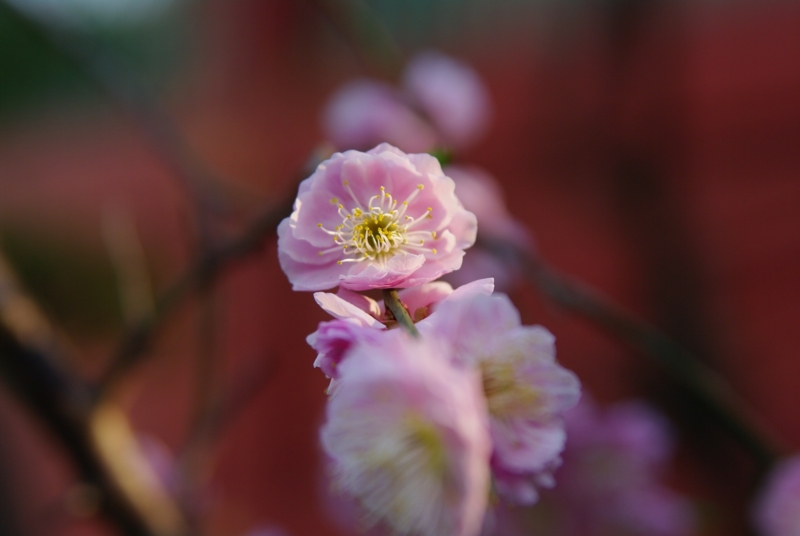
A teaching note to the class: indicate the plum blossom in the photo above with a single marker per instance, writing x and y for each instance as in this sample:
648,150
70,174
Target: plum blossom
777,510
379,219
526,389
442,103
451,94
407,436
359,317
364,113
611,478
482,195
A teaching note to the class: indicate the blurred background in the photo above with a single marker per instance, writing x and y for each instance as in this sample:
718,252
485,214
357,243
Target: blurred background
652,148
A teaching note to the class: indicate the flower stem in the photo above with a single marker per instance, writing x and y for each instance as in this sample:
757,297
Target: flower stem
392,301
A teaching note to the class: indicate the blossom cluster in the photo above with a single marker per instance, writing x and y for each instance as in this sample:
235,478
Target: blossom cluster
612,479
441,105
431,412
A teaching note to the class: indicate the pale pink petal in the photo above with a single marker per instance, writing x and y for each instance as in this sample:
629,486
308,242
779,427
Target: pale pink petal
451,94
339,308
363,113
365,303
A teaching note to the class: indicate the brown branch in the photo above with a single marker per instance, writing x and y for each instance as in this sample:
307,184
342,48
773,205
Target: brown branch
58,401
200,274
30,365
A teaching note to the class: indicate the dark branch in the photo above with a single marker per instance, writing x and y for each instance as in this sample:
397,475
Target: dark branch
62,405
200,274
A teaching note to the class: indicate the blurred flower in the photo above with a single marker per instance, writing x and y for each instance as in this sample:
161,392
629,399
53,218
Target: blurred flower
482,195
777,510
161,461
407,435
443,102
379,219
610,481
451,94
364,113
526,389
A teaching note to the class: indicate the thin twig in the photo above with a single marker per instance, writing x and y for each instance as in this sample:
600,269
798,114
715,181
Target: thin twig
53,398
222,411
392,301
28,362
201,273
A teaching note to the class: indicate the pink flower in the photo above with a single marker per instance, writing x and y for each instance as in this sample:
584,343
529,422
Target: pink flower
379,219
364,113
610,481
359,318
407,435
526,389
443,101
777,510
482,195
451,94
333,340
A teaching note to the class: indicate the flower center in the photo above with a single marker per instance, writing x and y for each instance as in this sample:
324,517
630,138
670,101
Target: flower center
507,396
378,231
